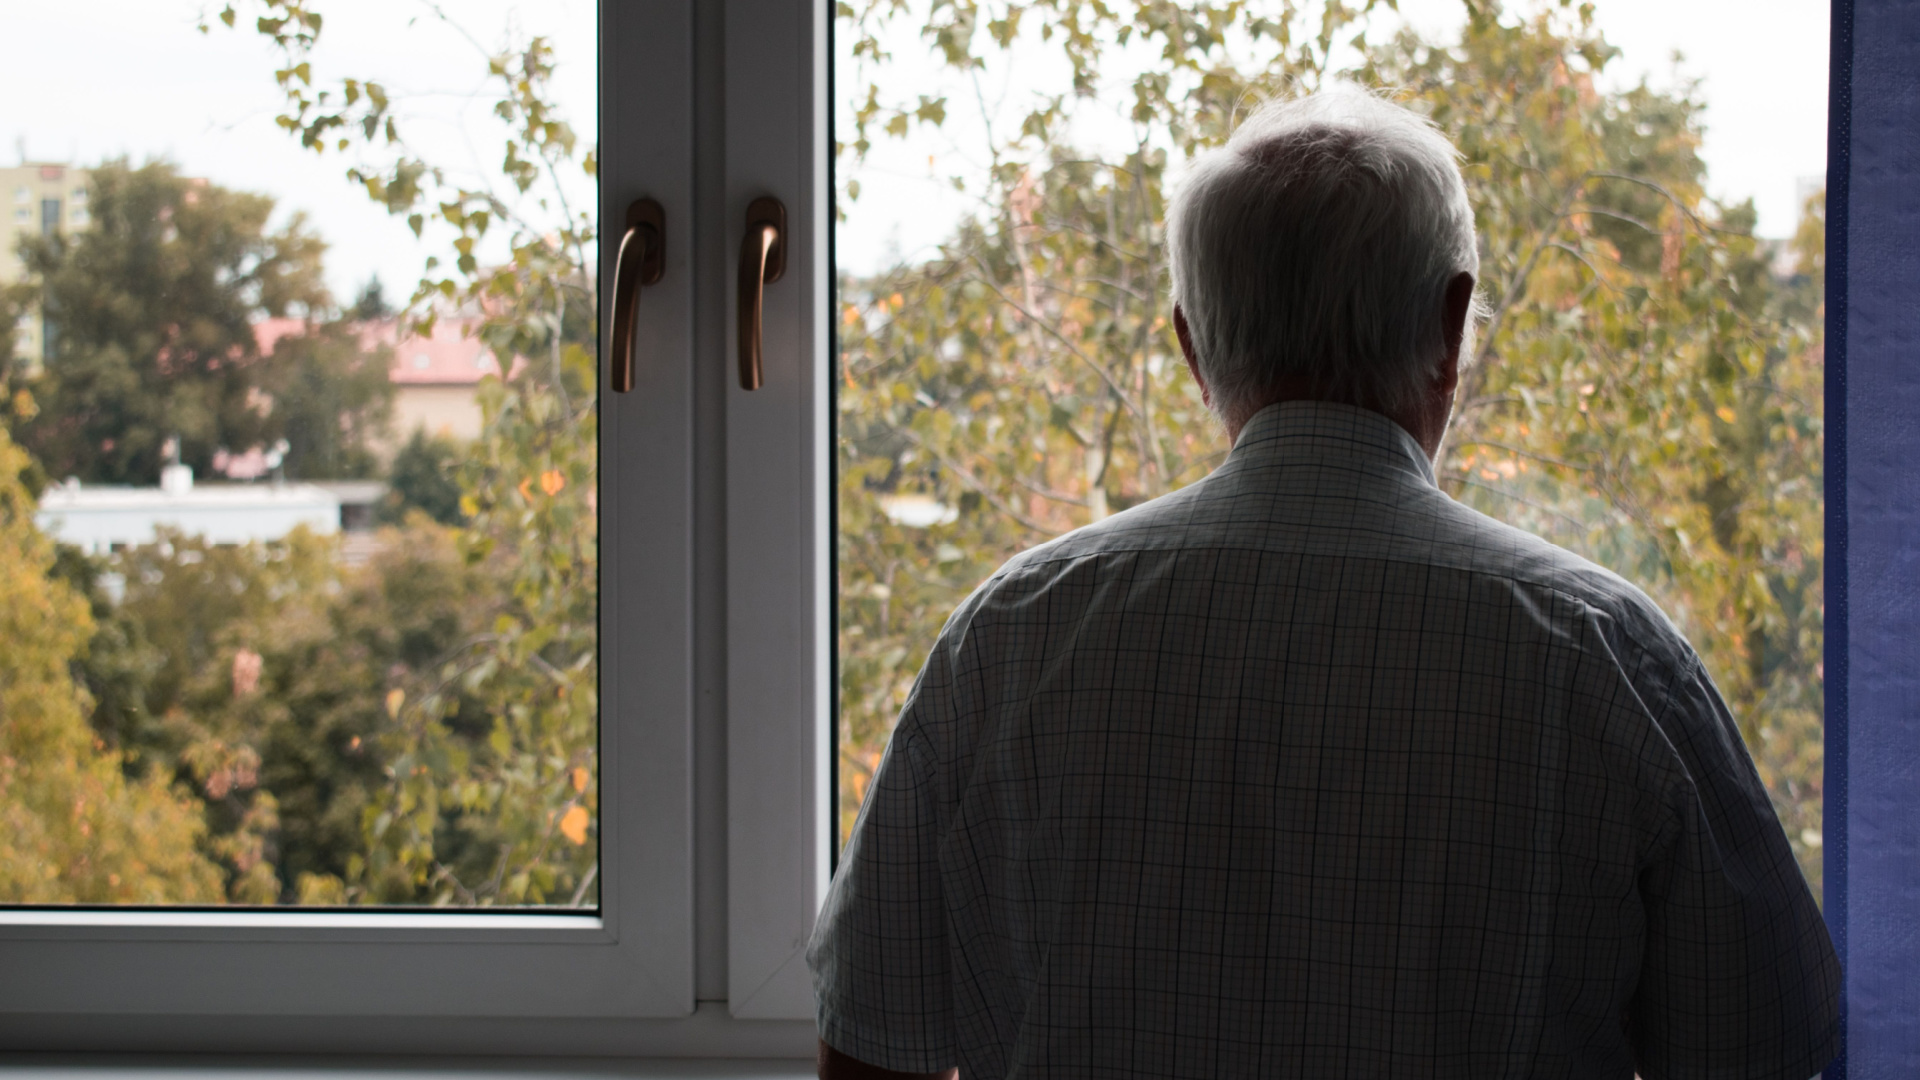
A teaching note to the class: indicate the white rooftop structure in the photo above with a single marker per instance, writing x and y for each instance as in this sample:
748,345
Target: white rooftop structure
101,519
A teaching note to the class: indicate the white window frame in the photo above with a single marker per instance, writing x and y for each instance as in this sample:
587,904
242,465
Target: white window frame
716,690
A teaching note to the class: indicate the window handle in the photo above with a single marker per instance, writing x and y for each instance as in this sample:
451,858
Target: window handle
763,259
642,259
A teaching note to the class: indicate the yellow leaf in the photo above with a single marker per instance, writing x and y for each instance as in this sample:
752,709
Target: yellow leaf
573,824
552,481
580,776
396,697
525,489
1724,413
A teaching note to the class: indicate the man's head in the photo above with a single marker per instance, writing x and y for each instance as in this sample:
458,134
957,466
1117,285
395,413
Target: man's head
1327,252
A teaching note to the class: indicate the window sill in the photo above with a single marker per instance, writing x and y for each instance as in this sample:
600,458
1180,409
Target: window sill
316,1067
708,1043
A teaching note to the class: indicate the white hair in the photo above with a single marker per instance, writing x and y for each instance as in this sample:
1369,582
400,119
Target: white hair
1318,244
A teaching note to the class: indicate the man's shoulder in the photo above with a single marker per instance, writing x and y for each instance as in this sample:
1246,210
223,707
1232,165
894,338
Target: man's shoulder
1425,527
1532,561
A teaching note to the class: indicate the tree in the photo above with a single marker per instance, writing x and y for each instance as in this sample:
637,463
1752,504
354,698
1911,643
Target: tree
502,811
422,729
371,305
266,678
1644,393
424,476
331,398
153,307
74,827
1649,393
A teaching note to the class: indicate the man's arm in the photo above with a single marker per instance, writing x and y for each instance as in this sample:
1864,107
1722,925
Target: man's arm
835,1065
879,950
1739,977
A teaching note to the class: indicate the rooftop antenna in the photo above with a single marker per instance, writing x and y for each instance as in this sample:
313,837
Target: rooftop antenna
20,147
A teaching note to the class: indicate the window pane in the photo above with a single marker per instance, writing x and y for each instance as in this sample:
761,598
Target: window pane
300,403
1648,391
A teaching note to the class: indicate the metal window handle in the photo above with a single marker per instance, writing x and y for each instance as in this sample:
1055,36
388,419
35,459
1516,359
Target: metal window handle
641,261
763,259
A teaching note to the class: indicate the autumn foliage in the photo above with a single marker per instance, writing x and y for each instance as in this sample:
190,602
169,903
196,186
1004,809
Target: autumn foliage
74,828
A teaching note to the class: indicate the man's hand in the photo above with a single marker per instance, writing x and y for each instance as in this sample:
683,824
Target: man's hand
835,1065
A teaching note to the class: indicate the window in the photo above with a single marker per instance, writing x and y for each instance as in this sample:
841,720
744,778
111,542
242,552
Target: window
695,754
430,737
715,598
1009,368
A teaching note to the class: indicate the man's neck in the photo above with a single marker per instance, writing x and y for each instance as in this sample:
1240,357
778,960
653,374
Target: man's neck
1427,422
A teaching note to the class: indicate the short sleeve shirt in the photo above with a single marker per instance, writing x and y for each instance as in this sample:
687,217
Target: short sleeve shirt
1307,770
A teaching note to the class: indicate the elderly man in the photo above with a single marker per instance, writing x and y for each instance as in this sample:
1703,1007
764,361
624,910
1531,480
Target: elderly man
1307,770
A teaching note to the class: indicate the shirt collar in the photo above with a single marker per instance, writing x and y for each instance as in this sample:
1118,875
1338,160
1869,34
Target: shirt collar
1300,431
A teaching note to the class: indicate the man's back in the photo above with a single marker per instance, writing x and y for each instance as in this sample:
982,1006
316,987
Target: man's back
1307,770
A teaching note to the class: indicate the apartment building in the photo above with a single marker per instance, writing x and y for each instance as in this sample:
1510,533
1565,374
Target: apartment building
38,198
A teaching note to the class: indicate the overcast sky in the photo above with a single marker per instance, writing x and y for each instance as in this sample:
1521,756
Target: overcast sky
1762,63
134,78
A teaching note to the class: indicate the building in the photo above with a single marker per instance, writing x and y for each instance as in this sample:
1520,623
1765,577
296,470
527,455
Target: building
102,519
436,379
38,198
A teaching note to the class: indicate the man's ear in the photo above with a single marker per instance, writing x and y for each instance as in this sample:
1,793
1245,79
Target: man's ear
1186,349
1459,310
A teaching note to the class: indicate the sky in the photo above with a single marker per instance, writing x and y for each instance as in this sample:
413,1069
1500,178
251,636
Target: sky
1762,65
148,85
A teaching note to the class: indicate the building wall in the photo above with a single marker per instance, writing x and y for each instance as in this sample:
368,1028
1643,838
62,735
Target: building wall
436,380
98,520
36,198
453,411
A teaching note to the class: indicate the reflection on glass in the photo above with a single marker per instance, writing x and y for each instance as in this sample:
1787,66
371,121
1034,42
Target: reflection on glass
1647,392
298,569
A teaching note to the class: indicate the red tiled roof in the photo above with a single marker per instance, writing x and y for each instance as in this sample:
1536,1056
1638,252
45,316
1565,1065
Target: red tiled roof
268,332
448,358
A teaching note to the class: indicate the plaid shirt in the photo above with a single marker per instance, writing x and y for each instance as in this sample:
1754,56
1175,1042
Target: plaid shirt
1307,770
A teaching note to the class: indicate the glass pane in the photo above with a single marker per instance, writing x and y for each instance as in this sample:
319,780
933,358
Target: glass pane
299,556
1649,391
